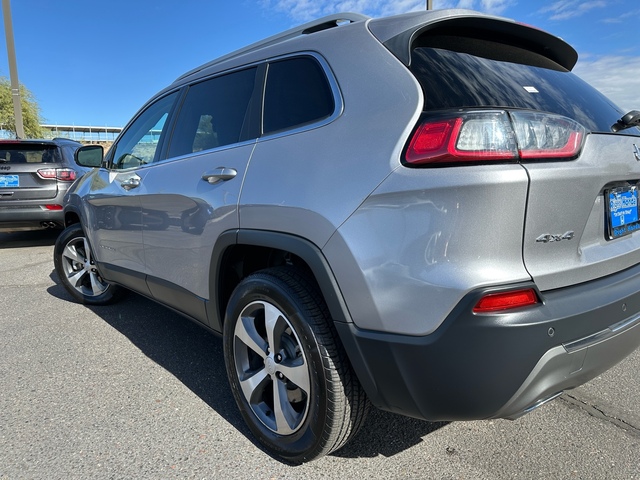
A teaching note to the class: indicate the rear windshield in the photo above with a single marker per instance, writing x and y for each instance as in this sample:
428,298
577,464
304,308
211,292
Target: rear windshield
452,79
25,153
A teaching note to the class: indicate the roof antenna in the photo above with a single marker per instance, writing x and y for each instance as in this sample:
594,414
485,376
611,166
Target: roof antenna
429,4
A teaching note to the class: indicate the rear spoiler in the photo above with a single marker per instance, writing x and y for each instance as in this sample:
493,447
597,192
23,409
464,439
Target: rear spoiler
399,33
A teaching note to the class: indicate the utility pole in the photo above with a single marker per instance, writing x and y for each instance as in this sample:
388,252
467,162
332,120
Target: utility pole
429,4
13,68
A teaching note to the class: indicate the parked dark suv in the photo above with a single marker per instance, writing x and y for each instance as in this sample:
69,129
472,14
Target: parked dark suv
34,177
429,213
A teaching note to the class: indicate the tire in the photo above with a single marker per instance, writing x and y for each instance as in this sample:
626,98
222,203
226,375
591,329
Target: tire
74,263
278,333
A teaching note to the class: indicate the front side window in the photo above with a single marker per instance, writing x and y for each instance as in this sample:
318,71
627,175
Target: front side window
215,113
138,144
297,94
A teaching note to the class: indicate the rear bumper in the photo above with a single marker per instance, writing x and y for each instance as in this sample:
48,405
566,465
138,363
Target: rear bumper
15,216
500,365
573,364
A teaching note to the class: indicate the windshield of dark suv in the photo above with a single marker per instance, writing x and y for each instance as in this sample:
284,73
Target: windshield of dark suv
28,153
498,75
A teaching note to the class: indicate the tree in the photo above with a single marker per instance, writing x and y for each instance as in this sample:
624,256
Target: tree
30,110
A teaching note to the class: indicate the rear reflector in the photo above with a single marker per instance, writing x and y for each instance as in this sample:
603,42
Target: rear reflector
53,207
490,136
494,302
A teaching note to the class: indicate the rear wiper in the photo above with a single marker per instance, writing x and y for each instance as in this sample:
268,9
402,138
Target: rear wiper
631,119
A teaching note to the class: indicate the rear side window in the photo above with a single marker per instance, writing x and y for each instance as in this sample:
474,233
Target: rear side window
69,151
215,113
297,93
25,153
497,75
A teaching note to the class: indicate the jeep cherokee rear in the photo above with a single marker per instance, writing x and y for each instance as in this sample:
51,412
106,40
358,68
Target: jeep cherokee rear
428,212
34,177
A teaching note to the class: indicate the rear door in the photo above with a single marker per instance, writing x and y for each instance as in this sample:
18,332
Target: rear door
28,171
191,197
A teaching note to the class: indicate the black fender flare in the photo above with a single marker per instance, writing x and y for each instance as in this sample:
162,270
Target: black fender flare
310,253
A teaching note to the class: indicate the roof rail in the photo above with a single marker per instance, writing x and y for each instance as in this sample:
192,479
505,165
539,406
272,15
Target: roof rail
318,25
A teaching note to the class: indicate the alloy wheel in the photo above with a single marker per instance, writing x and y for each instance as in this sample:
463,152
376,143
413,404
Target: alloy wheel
79,268
272,368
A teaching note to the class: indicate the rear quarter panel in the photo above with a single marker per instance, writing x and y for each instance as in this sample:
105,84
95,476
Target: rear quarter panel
308,183
424,239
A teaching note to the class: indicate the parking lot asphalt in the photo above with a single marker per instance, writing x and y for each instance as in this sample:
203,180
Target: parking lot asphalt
133,390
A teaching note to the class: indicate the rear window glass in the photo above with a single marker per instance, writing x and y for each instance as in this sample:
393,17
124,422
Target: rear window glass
23,153
451,79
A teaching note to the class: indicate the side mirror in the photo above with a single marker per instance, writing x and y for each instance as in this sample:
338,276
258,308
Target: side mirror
89,156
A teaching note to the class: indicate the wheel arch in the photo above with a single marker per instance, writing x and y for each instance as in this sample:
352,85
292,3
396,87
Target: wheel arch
71,216
239,253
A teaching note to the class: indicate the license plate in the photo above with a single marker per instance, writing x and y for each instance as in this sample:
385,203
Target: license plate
622,211
9,181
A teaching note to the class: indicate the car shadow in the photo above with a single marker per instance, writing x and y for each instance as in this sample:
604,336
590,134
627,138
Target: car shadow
195,357
387,434
29,238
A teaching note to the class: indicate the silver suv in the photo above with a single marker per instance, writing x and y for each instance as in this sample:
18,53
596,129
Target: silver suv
428,213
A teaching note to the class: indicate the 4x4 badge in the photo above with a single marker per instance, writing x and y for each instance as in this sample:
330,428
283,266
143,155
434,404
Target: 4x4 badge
550,237
636,152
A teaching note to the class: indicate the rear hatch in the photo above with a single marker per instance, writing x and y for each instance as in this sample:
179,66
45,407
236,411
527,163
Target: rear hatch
494,93
28,171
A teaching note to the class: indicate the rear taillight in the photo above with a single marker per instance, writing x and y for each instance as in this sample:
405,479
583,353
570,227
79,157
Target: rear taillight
542,135
495,302
490,136
485,136
62,174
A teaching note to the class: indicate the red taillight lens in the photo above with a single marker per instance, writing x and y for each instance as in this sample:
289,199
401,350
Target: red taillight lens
489,136
431,140
62,174
472,137
494,302
66,174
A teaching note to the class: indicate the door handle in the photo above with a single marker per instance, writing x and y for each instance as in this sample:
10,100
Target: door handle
131,182
219,174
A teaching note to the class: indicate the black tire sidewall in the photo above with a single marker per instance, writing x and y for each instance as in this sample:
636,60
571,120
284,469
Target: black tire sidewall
305,442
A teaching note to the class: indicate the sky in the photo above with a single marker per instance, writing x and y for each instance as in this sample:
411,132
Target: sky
96,62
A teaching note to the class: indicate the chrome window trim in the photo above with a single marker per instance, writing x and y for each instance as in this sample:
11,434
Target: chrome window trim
200,153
